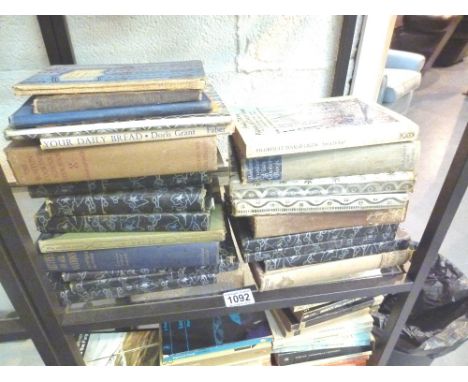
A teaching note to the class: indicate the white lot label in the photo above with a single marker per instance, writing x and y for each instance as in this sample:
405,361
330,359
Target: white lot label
239,297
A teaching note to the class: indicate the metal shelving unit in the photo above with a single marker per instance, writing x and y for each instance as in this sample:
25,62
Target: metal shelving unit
51,327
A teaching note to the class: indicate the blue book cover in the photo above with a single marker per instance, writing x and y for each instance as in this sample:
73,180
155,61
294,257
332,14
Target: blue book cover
187,338
25,117
70,79
159,256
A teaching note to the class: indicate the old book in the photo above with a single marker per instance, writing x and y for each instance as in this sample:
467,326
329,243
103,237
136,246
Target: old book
321,309
76,102
24,117
374,159
31,165
257,355
161,256
331,123
315,204
326,272
255,245
353,359
179,221
217,120
263,226
401,242
187,199
125,184
72,79
106,240
383,183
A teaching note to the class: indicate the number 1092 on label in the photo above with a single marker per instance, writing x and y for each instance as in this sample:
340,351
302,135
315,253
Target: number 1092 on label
239,297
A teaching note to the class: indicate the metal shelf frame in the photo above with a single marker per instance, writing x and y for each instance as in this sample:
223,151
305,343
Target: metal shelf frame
51,327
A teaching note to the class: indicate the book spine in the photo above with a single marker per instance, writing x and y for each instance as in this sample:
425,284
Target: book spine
335,254
62,142
184,255
249,244
122,223
331,163
283,359
187,199
25,117
267,226
64,103
146,285
302,205
114,185
31,165
313,312
306,250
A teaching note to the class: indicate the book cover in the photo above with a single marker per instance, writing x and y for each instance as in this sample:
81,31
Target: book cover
82,241
383,183
331,123
25,117
310,312
187,199
72,79
314,204
180,221
186,338
401,157
250,244
336,254
154,182
76,102
32,166
276,225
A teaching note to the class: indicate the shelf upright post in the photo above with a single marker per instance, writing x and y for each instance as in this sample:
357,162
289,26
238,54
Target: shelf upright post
28,287
426,254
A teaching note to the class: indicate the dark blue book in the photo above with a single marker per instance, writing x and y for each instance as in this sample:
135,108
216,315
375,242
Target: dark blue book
25,117
159,256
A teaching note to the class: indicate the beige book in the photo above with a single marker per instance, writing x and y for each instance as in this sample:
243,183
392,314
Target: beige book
357,358
276,225
326,272
31,165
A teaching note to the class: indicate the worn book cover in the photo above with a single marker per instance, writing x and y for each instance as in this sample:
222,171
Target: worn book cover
76,102
331,123
72,79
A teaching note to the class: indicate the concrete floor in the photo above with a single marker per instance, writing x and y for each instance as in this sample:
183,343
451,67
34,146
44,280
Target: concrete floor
442,113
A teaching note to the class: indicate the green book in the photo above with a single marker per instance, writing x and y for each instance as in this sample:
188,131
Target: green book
107,240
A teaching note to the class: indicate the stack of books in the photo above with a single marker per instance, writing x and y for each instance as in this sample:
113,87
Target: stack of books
333,333
321,189
121,154
235,340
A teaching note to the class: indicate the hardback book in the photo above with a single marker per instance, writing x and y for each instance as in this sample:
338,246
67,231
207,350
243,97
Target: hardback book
352,359
315,204
154,182
316,305
331,123
253,245
84,241
383,183
401,242
187,199
132,348
73,79
32,166
392,157
314,311
326,272
218,120
180,221
184,339
264,226
90,101
25,117
161,256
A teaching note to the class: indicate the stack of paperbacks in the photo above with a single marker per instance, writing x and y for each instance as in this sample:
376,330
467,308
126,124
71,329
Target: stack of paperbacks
332,333
235,340
122,155
321,190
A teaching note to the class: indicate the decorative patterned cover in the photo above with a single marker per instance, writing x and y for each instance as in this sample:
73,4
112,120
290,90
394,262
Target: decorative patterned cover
122,223
187,199
125,184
